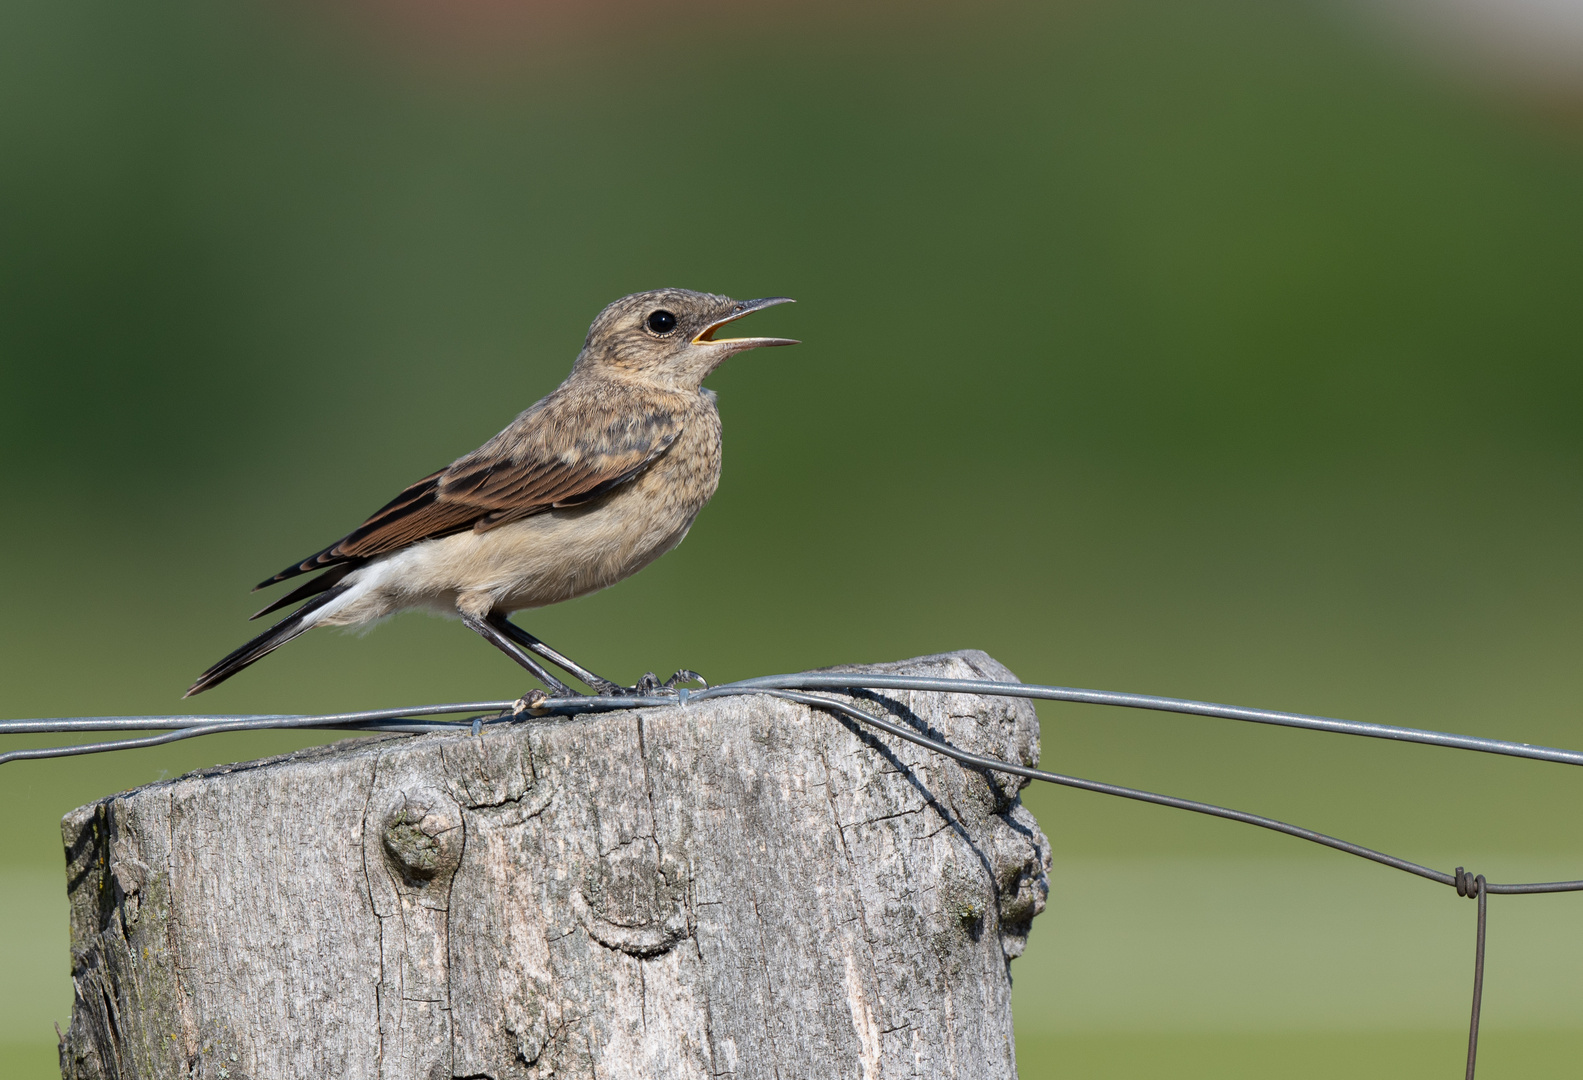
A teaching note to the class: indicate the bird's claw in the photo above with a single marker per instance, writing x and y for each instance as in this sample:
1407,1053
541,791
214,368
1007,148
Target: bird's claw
686,675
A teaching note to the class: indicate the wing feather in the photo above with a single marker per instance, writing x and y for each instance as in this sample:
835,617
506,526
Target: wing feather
560,453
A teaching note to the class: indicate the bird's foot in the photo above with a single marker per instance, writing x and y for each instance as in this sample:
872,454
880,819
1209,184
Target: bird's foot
650,685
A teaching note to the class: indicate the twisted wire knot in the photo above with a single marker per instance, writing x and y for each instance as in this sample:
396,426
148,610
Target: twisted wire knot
1469,885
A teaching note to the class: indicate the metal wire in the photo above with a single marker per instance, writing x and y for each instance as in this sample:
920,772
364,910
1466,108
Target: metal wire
791,687
1160,704
1474,886
835,681
187,727
794,687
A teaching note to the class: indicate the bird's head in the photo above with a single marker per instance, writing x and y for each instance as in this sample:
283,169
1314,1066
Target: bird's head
667,336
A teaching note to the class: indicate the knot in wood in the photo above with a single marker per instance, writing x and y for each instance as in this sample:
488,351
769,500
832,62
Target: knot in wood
634,899
423,834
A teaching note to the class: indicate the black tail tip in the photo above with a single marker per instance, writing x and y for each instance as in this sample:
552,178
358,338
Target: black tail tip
203,683
223,670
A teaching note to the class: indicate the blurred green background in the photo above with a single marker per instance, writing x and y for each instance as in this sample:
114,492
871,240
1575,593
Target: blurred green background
1225,350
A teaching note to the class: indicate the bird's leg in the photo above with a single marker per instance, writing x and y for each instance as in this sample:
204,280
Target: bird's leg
647,686
533,644
486,628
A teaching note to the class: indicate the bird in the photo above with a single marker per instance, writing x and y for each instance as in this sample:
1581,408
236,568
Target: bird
584,488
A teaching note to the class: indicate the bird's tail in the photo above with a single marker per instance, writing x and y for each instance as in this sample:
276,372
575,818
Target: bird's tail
265,643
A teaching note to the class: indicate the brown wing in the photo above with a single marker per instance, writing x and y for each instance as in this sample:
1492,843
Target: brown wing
559,453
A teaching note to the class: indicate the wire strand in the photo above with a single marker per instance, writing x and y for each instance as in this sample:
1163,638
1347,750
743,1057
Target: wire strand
856,680
1476,889
791,688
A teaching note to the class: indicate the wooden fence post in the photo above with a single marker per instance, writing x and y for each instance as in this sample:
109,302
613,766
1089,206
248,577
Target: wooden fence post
740,887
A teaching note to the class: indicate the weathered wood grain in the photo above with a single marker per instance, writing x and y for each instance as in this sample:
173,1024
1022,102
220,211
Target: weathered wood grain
742,887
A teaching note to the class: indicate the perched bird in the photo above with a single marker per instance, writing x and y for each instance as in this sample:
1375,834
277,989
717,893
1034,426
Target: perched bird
588,486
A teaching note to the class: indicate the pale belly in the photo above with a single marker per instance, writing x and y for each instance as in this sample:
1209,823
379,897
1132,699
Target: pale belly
544,559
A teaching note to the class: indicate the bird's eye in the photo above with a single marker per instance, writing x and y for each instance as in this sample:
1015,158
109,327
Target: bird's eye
661,321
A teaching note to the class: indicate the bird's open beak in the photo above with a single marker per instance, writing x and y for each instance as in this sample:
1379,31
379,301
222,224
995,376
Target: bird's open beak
739,309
